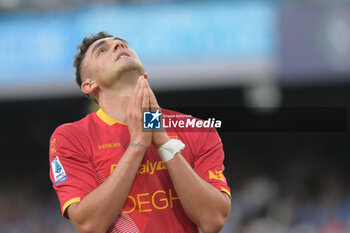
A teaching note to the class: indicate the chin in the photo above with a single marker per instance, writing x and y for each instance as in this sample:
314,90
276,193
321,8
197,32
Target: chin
131,67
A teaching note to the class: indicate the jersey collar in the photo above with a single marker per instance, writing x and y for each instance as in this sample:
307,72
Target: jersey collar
107,119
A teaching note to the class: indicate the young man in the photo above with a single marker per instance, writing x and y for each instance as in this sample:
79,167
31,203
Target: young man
111,175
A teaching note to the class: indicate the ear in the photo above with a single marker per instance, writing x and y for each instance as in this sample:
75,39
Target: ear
89,86
145,75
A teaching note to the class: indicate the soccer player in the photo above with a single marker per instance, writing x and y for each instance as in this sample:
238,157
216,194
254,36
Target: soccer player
111,175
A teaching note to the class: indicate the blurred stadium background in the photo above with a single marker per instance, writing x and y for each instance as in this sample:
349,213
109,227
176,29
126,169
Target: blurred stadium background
226,54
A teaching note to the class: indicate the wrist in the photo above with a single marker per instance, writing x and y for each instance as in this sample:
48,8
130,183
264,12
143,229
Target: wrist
168,150
161,141
138,146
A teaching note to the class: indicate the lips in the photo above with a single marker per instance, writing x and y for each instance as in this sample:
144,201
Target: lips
122,54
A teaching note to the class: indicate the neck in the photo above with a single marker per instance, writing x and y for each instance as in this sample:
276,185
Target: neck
115,100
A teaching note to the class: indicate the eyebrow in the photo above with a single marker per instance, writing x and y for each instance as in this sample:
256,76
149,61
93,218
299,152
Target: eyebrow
97,45
103,42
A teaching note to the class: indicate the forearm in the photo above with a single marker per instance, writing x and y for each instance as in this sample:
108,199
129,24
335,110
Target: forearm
204,205
97,211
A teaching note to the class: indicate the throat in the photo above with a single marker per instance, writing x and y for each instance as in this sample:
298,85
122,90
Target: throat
116,105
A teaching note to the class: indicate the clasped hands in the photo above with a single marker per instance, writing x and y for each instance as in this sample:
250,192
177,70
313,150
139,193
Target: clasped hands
143,99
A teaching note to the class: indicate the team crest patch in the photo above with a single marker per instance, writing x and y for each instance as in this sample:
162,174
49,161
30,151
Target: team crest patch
58,171
217,175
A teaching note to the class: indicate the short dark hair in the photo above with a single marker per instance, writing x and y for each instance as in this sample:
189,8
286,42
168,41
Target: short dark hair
83,47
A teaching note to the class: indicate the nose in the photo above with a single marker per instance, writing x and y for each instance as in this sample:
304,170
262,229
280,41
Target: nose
119,44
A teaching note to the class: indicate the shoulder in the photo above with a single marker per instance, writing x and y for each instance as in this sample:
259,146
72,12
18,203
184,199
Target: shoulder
78,128
72,139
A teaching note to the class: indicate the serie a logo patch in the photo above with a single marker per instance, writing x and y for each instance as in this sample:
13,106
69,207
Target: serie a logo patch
58,171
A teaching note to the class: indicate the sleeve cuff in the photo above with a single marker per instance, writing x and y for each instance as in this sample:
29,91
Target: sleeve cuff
226,191
68,203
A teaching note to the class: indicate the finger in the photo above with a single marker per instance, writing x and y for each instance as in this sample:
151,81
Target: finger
147,84
145,99
138,85
136,90
153,99
138,100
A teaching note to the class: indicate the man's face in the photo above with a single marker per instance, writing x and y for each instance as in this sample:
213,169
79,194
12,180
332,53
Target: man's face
107,59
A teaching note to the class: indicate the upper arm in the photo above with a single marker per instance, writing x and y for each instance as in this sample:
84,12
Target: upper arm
72,211
208,161
227,199
71,172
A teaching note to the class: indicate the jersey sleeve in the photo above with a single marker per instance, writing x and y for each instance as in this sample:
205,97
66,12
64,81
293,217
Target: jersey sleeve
208,162
71,171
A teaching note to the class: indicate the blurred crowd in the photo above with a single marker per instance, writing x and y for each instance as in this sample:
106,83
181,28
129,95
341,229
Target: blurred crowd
303,193
13,5
261,207
10,5
24,209
309,196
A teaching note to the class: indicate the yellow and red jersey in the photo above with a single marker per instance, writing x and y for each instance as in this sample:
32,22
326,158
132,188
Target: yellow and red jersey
84,153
